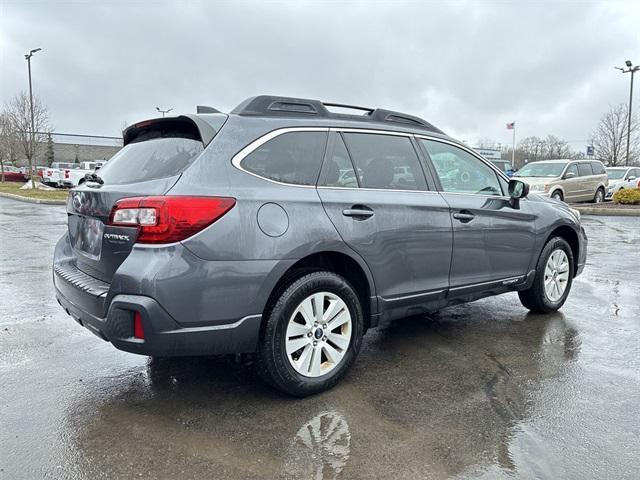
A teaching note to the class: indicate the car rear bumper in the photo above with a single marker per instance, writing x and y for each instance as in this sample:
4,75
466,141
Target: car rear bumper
87,301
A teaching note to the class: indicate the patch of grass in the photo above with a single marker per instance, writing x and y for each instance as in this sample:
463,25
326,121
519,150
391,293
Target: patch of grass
627,196
14,188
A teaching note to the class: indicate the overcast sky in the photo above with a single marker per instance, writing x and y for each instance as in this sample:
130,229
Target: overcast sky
468,67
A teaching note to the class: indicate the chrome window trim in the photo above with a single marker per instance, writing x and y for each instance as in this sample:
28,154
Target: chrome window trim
242,154
369,130
366,189
246,151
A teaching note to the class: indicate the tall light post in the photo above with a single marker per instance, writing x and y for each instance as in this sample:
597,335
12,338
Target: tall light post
630,69
163,111
33,128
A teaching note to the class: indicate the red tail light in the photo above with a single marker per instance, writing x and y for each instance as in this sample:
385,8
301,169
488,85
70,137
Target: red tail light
167,219
138,331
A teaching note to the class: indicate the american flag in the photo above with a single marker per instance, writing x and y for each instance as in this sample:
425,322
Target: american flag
511,126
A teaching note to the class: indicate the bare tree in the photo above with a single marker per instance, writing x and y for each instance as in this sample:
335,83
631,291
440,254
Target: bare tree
8,142
534,149
610,137
19,113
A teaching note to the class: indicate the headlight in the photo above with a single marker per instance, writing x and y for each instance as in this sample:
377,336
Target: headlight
538,188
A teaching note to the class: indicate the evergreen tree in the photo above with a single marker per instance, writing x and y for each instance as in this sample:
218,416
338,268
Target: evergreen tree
49,153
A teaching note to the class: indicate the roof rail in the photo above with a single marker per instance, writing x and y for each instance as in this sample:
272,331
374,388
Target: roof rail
268,105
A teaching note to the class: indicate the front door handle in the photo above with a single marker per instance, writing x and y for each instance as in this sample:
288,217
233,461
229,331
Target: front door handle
464,216
358,211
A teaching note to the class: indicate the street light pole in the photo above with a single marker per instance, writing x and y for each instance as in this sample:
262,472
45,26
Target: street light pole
163,111
33,128
630,69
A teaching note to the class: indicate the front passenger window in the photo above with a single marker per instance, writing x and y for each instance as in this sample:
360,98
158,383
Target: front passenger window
461,172
571,169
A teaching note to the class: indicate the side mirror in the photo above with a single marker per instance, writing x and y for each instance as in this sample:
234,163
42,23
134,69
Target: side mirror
569,175
632,178
517,190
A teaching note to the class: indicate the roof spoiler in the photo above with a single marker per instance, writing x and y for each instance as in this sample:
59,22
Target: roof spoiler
185,126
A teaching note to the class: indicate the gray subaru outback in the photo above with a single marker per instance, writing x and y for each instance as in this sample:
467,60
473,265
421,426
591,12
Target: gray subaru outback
287,230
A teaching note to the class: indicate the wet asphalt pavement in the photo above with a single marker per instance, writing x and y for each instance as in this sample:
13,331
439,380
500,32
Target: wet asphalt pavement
483,390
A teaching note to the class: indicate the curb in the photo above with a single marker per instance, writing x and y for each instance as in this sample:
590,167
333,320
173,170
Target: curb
32,200
613,212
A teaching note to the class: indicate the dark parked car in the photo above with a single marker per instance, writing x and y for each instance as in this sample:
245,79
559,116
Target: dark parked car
13,174
252,232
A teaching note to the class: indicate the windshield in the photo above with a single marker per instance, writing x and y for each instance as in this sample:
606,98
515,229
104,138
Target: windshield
150,160
541,169
616,173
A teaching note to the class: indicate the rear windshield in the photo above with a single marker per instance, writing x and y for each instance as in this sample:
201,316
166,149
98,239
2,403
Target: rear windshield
541,169
150,160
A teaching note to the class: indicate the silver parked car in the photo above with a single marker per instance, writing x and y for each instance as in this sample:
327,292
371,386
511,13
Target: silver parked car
568,180
620,178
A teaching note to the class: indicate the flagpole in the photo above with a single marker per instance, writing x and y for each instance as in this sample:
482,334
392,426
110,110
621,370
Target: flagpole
513,148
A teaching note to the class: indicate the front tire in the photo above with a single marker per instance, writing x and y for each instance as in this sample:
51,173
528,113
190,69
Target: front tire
553,278
312,334
557,195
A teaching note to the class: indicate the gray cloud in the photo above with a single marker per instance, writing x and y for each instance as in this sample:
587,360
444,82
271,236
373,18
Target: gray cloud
468,67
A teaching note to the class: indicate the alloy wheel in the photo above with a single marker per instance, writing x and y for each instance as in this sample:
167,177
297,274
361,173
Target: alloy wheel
318,334
556,275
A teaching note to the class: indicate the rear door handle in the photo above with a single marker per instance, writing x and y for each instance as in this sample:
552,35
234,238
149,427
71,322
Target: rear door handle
358,211
464,217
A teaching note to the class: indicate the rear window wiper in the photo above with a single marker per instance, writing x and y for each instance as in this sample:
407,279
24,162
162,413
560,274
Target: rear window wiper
93,177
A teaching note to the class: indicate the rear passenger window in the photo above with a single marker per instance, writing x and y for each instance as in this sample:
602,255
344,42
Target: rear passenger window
584,169
338,170
598,168
385,161
293,157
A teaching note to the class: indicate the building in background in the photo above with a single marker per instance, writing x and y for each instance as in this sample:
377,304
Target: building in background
489,153
77,148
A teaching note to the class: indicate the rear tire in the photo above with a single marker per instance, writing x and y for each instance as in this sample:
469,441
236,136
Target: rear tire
298,317
599,196
553,278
